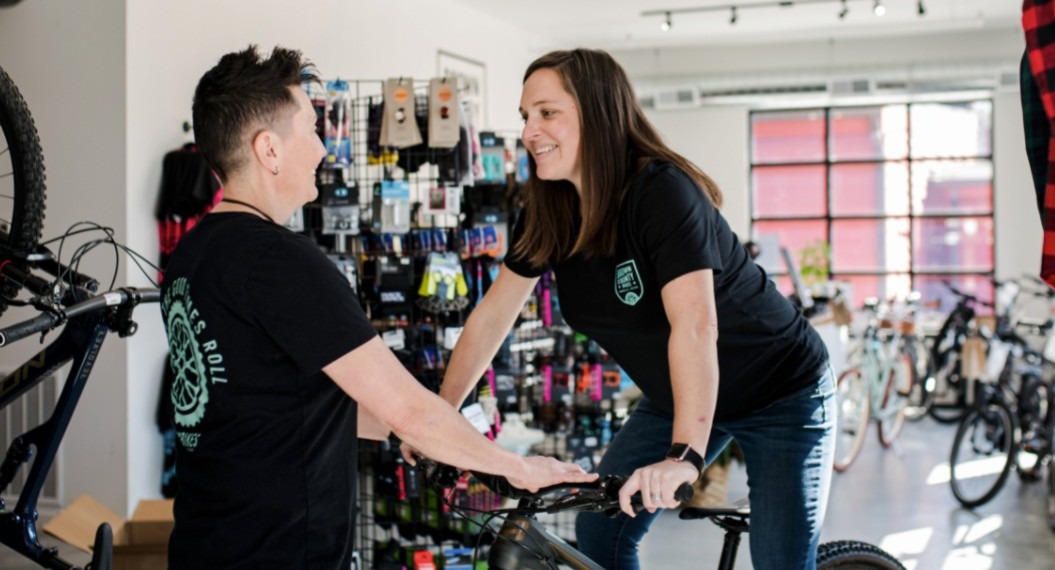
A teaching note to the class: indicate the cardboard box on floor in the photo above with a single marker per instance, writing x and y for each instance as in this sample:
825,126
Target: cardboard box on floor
140,543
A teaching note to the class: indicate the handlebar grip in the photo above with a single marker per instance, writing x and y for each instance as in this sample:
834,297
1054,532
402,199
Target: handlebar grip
18,331
684,493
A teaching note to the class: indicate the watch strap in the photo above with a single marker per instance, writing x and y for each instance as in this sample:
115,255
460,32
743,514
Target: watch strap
684,452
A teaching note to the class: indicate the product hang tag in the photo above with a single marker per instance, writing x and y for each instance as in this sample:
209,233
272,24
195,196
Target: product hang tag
443,112
394,339
475,414
402,126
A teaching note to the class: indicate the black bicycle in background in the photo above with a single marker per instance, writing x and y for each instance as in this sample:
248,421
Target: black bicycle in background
946,355
32,276
523,543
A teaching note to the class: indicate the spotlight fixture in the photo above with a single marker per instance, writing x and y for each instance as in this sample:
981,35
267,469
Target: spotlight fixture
920,9
844,11
878,8
732,16
665,25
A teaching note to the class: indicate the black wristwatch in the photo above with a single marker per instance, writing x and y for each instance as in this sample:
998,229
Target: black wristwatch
682,452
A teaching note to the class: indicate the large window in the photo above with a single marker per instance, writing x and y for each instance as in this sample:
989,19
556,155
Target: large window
900,197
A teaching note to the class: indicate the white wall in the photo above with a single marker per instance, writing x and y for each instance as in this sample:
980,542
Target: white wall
68,59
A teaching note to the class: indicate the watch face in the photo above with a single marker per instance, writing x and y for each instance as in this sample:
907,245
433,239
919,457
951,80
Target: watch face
678,451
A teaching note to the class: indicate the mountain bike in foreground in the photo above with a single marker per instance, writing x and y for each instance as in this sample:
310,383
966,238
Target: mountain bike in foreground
523,543
32,276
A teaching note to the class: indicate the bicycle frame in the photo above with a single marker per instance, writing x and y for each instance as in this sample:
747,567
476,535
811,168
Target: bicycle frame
79,343
523,532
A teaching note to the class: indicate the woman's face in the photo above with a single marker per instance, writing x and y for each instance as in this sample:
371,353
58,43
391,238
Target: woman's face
552,131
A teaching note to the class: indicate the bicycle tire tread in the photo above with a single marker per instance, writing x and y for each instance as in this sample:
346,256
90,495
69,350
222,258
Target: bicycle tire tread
852,554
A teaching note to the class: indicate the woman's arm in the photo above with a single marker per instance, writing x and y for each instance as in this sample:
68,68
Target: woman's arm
389,395
484,332
693,355
692,351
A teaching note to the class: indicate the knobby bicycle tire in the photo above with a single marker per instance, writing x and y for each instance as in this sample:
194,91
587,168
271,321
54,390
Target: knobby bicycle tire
854,555
21,177
991,426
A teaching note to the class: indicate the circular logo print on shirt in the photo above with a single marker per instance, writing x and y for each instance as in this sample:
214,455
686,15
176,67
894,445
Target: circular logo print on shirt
190,392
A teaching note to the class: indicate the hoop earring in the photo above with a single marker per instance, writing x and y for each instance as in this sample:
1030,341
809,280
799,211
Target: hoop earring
276,171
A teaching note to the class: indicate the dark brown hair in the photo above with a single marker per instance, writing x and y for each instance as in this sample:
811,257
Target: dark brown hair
617,140
240,96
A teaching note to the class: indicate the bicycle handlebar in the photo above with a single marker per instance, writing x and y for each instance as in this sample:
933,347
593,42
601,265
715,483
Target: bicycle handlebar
604,495
52,319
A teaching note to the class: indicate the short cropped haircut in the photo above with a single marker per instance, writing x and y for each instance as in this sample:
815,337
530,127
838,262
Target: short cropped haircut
242,95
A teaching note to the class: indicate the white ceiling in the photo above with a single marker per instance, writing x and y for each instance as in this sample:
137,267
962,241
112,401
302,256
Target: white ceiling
619,24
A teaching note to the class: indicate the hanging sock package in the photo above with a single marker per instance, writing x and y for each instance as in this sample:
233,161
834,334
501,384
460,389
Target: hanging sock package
399,128
443,113
338,125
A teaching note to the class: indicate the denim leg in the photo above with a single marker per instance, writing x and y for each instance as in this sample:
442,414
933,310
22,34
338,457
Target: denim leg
643,440
788,448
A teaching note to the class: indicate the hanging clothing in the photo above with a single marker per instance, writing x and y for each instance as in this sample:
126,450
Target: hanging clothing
189,190
1038,23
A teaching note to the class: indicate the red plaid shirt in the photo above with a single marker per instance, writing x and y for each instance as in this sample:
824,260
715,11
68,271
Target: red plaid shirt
1038,22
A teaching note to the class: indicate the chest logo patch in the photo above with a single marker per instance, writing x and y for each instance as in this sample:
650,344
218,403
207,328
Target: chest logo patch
628,286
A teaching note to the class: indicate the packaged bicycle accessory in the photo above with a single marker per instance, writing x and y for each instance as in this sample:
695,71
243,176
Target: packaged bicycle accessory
443,287
445,200
392,207
338,125
443,113
493,156
340,204
399,128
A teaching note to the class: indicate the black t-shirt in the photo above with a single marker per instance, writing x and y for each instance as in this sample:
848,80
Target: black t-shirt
667,228
266,450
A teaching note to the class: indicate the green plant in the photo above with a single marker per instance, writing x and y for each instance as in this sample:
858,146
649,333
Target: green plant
813,262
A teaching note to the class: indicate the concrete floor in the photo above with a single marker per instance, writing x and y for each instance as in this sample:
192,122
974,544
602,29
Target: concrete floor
893,498
897,499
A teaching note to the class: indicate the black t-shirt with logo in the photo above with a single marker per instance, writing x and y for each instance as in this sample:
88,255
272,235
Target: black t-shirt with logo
266,450
667,228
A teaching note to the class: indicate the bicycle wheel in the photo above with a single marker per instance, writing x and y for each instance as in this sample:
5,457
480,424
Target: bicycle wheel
947,377
851,423
982,454
895,401
851,554
923,380
21,178
1034,398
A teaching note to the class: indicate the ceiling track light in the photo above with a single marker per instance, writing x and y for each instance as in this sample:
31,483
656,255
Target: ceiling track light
878,8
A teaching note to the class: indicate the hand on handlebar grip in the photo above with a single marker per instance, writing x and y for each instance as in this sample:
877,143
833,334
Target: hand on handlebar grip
660,485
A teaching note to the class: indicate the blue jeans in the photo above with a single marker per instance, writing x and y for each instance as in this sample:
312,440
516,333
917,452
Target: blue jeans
788,450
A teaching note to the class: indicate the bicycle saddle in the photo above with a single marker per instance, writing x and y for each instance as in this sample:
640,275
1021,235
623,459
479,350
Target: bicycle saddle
741,508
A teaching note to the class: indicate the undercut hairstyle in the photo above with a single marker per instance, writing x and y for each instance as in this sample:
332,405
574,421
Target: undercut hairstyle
617,140
241,96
